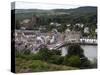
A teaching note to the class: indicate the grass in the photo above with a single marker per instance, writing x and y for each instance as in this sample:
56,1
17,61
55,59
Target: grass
23,65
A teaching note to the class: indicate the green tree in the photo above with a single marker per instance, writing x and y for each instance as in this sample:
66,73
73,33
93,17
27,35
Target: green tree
76,57
56,52
74,61
44,54
75,49
56,59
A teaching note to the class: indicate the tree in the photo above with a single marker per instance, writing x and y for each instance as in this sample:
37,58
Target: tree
85,63
44,54
56,52
56,59
76,57
73,61
75,49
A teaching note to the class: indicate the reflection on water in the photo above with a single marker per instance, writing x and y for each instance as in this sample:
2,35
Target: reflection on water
90,51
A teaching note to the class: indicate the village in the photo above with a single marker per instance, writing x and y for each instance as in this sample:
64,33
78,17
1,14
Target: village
30,35
34,40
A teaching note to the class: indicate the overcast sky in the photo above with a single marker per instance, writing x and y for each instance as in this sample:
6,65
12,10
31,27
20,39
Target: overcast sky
29,5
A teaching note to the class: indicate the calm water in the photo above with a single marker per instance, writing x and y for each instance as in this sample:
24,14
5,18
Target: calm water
90,51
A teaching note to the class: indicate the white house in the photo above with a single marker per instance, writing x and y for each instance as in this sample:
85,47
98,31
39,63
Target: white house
86,30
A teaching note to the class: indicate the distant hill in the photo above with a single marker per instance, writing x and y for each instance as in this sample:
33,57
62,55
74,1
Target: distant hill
86,15
28,13
85,9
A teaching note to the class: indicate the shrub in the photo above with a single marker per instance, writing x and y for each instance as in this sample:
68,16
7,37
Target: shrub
38,65
65,61
56,52
85,63
56,59
73,61
44,54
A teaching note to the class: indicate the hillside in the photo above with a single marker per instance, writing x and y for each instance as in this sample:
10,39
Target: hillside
28,13
86,15
85,9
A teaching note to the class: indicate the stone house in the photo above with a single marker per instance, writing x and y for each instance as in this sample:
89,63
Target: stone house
72,36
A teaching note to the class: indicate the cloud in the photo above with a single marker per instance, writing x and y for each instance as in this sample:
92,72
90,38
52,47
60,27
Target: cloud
37,5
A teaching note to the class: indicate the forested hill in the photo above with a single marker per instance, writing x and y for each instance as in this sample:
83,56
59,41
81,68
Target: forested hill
86,15
85,9
28,13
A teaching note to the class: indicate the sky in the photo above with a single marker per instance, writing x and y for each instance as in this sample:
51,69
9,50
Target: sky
37,5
